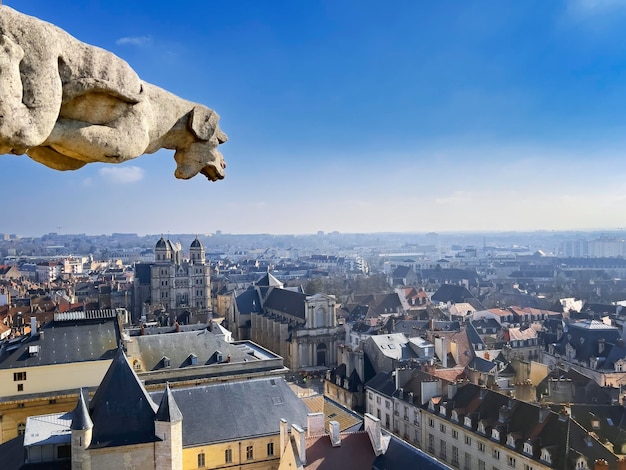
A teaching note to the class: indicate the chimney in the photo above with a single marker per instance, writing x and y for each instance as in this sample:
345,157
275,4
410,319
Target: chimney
315,424
298,435
600,464
452,389
373,428
33,326
401,393
284,435
333,429
444,353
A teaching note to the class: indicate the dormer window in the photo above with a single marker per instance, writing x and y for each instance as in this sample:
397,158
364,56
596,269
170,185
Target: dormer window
595,424
510,440
528,448
481,427
455,416
467,422
495,434
545,456
442,410
431,406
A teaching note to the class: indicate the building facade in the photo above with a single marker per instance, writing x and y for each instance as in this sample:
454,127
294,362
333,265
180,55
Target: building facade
176,284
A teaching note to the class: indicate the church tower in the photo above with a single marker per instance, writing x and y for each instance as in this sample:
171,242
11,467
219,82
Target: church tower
196,252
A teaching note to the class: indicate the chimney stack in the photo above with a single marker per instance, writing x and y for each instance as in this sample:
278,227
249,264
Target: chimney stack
315,424
33,326
333,429
374,430
284,434
298,435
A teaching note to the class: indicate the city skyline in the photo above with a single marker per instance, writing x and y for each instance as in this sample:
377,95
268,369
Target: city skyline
349,117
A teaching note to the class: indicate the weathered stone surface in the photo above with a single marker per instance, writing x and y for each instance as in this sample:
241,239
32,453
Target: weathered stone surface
65,103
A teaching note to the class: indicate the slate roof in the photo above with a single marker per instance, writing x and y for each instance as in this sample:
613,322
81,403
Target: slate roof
287,302
382,383
401,456
64,342
248,302
168,411
527,422
178,346
121,398
236,410
80,415
268,280
584,337
451,293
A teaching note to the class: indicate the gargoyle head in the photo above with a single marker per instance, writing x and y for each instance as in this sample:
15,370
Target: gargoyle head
201,155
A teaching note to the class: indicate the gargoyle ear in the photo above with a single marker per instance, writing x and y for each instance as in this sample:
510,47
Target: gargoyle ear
203,122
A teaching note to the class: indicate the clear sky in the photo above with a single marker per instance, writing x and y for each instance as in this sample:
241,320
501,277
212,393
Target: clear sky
356,116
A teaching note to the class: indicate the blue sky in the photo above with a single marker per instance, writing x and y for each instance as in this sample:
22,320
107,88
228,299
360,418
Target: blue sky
356,116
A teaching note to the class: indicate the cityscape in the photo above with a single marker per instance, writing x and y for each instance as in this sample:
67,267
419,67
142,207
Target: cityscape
389,350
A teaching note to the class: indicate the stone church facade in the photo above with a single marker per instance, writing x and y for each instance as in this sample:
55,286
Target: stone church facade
301,328
179,285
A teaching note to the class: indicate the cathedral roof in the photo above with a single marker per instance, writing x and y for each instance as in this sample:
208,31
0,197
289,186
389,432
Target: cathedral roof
161,244
196,243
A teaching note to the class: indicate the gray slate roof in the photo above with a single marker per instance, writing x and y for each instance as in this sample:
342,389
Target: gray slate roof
178,346
236,410
121,410
64,342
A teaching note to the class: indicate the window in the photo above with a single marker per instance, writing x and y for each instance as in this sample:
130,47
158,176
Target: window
443,451
387,404
20,387
468,461
468,440
431,422
378,400
511,461
270,448
201,460
455,434
431,443
481,465
442,428
481,446
21,429
64,452
249,453
455,456
228,455
527,467
19,376
496,454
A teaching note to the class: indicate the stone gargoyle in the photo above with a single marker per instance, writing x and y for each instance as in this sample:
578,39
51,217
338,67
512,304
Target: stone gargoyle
65,103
